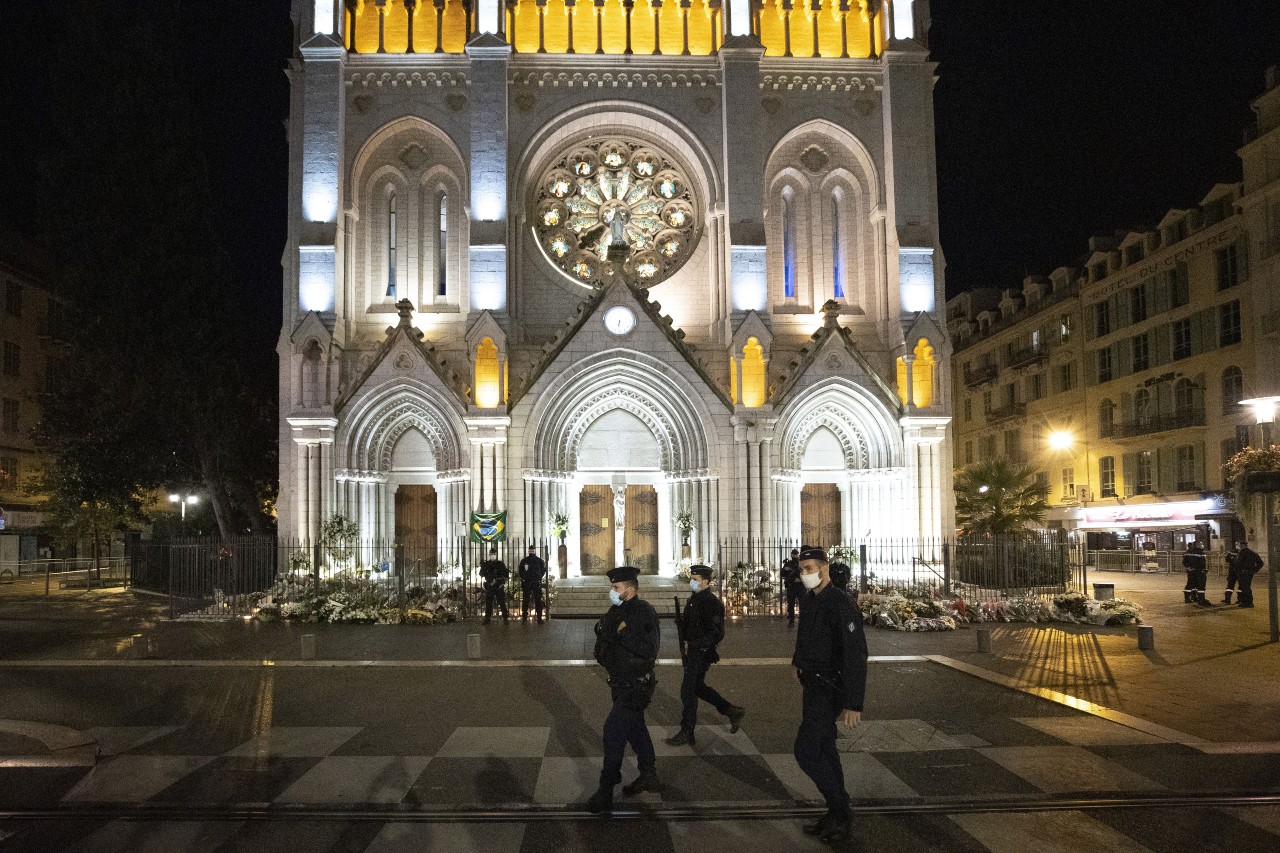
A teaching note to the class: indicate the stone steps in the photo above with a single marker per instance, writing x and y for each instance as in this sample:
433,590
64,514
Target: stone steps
588,597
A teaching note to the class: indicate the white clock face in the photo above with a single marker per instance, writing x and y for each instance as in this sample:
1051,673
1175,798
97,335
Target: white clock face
619,320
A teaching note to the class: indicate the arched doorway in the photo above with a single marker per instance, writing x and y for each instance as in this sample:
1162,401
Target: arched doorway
620,459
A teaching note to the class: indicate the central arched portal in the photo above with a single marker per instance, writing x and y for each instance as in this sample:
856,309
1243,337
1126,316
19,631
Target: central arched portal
621,451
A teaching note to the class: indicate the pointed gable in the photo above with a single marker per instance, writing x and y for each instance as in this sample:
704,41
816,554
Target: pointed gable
831,351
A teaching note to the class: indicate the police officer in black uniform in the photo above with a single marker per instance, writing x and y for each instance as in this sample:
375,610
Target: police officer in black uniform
791,584
1197,568
532,571
627,641
831,664
494,572
701,630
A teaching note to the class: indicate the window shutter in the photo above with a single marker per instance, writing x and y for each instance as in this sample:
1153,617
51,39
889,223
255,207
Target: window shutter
1125,412
1159,293
1091,368
1197,393
1130,484
1181,284
1166,470
1242,259
1201,331
1122,308
1162,346
1090,322
1122,356
1198,463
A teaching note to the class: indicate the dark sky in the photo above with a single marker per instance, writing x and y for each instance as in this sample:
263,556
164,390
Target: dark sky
1056,120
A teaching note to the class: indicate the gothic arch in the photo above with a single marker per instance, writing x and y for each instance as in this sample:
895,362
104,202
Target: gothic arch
865,428
627,380
368,437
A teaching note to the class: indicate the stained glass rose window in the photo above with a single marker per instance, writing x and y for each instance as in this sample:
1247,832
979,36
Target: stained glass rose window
615,191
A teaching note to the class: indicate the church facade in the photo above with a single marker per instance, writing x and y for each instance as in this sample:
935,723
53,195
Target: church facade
647,273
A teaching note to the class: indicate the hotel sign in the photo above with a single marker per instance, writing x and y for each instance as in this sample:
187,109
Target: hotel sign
1162,512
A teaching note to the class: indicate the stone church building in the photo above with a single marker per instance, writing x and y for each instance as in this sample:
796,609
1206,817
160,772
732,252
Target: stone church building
616,261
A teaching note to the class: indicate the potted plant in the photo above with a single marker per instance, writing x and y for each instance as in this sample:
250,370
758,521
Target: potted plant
559,524
1248,472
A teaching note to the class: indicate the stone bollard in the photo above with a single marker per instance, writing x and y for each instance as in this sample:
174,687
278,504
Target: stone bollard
984,640
473,646
1146,638
308,646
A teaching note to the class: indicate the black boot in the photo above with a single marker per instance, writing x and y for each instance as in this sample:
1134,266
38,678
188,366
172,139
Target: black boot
735,715
1226,599
1202,600
1188,596
819,826
601,802
646,781
681,738
840,828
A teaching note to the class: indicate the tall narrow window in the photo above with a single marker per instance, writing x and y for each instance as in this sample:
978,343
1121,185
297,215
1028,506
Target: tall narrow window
788,247
391,247
837,249
753,374
442,248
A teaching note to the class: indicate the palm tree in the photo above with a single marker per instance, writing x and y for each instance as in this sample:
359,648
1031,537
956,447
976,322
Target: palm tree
999,497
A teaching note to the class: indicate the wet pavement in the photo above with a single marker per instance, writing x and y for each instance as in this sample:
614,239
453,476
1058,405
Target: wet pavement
218,736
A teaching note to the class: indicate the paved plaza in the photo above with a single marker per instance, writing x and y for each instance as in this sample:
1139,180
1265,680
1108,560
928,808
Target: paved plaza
123,731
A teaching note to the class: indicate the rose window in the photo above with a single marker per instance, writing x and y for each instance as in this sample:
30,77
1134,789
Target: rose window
615,193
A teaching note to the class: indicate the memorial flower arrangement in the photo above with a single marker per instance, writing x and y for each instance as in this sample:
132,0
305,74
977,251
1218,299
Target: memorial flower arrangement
353,596
927,609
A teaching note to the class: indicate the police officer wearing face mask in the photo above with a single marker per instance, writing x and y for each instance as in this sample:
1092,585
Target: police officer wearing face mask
627,640
831,664
701,630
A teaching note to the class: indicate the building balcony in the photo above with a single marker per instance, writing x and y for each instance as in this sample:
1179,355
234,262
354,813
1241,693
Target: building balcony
1028,356
1005,413
1159,423
981,375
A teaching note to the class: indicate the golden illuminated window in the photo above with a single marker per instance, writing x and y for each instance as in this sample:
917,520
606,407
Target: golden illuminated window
733,380
488,376
922,374
753,385
902,380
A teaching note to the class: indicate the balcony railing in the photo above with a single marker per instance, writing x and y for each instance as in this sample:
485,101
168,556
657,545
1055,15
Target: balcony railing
1030,355
1160,423
1004,413
983,373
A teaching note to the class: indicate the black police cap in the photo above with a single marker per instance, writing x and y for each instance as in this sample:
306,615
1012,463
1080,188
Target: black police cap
701,571
809,552
623,573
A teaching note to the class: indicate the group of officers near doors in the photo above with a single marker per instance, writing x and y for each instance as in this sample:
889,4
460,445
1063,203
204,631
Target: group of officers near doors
830,663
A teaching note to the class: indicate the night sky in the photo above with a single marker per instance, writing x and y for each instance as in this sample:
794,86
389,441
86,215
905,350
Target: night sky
1055,121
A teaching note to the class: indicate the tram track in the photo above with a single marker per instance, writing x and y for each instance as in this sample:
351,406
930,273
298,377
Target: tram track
518,813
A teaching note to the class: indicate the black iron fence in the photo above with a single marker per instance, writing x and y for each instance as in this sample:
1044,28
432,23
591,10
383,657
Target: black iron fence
234,577
1039,562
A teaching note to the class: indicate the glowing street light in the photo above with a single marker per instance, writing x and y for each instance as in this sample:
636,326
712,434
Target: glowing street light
1061,440
182,501
1264,408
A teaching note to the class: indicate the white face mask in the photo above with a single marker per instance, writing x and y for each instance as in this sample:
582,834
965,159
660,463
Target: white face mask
695,586
811,580
615,597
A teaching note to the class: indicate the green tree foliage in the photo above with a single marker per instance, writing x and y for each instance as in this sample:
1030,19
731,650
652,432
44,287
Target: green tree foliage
162,389
999,497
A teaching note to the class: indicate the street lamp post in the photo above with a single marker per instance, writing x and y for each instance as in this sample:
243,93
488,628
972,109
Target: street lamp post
1264,410
182,501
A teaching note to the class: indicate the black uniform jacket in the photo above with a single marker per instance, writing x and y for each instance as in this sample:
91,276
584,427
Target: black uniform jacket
494,573
1250,563
831,643
631,652
791,574
703,624
532,570
1193,561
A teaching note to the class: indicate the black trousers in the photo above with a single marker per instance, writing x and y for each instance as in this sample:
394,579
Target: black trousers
793,598
694,687
815,747
532,596
1196,580
1246,587
625,725
1233,577
495,595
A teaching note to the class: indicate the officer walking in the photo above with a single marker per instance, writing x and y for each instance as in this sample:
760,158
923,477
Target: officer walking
532,571
1247,566
494,572
627,641
701,630
831,665
791,584
1197,567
